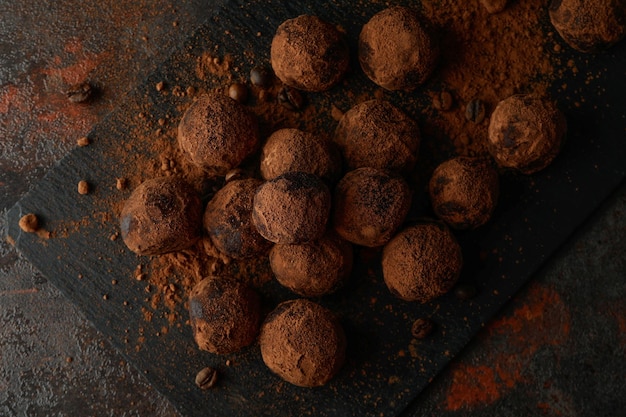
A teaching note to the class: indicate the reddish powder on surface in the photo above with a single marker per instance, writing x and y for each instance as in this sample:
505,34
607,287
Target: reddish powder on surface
487,57
485,382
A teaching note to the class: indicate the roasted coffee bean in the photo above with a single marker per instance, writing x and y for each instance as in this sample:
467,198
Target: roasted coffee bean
465,291
261,77
422,327
291,98
475,111
79,93
238,92
442,101
206,378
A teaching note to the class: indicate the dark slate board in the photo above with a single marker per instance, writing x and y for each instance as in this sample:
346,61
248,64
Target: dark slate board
386,369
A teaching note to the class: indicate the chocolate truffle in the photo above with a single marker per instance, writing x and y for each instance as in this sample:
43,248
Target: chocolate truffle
288,150
377,134
422,262
396,50
228,220
292,208
224,314
161,215
309,54
313,269
369,205
526,133
589,25
217,133
464,191
303,343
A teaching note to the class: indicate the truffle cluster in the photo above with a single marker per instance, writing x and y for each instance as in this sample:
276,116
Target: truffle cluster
306,213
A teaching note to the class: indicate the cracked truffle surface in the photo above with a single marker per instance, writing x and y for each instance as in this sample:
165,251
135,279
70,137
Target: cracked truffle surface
396,51
228,220
369,206
291,150
526,133
216,133
309,54
292,208
422,262
589,25
224,314
161,215
377,134
303,343
313,269
464,191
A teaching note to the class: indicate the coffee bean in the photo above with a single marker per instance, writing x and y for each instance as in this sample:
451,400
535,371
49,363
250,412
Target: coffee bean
206,378
261,77
79,93
422,327
238,92
291,98
465,291
442,101
475,111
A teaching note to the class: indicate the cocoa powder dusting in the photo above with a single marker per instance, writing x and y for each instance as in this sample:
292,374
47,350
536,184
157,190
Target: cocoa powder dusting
485,56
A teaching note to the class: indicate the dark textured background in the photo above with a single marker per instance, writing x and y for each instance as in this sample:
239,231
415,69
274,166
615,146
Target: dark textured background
557,349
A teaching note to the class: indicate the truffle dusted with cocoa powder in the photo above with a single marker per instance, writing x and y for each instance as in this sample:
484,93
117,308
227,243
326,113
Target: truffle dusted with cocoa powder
422,262
161,215
224,314
396,50
289,150
303,343
309,54
292,208
464,191
589,25
526,133
369,205
377,134
313,269
217,133
228,220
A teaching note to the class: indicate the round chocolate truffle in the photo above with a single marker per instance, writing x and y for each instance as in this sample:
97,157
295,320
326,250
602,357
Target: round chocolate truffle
303,343
589,25
379,135
292,208
396,51
224,314
228,220
422,262
526,133
288,150
369,205
309,54
313,269
217,133
464,191
161,215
